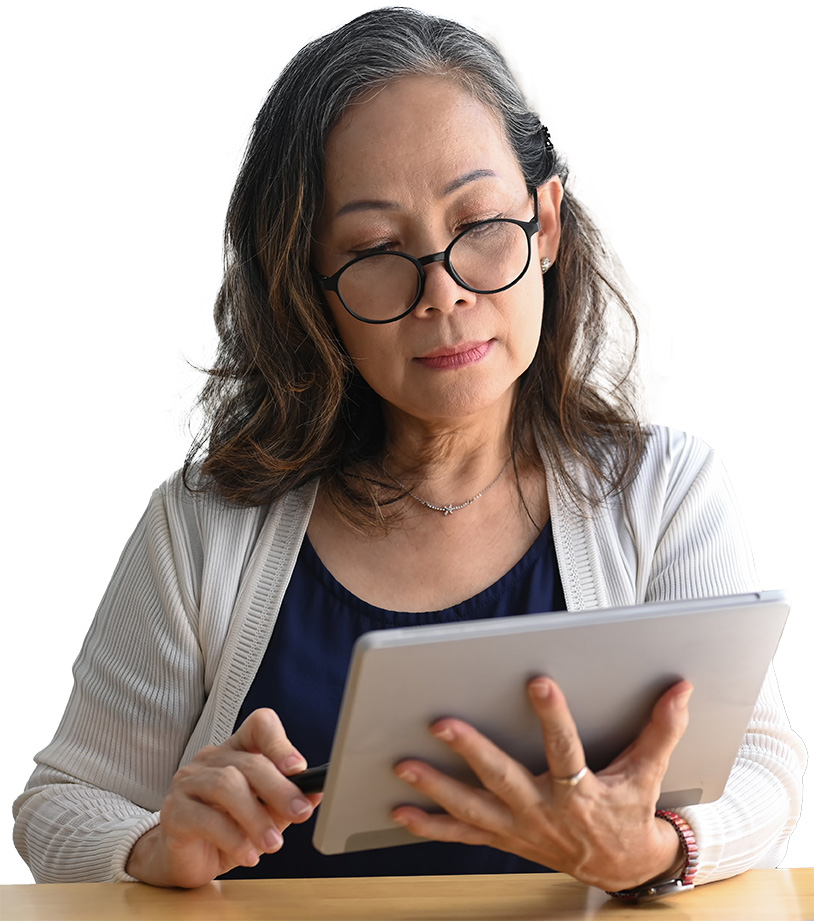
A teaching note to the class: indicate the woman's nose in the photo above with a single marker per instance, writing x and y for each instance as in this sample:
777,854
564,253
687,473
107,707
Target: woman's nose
441,292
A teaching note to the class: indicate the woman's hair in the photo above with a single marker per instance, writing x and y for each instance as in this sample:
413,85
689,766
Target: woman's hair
284,403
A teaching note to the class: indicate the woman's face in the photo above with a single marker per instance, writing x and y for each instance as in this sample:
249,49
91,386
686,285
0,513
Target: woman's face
407,169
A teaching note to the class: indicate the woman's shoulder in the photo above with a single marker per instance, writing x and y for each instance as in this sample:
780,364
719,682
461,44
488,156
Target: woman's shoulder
192,502
676,467
674,448
667,455
678,452
189,489
186,496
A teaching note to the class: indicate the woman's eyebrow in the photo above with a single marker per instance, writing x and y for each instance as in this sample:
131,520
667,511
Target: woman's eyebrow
378,204
472,176
367,204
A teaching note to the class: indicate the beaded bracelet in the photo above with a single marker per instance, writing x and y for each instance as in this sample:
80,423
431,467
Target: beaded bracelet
655,890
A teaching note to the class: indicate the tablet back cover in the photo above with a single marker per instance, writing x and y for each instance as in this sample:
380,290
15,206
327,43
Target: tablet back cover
612,665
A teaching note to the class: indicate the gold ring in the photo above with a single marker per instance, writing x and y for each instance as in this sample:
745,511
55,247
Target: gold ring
574,779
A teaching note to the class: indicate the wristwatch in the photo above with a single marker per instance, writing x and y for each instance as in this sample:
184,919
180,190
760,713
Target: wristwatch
658,889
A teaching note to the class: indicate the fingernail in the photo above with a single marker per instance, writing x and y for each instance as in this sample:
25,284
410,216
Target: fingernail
295,762
406,774
251,859
299,806
444,732
540,689
399,819
272,840
683,699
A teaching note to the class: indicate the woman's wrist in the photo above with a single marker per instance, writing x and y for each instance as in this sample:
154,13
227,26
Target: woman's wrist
680,875
147,862
142,855
675,851
688,864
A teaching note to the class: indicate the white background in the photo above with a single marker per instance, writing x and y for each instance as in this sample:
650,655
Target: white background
686,128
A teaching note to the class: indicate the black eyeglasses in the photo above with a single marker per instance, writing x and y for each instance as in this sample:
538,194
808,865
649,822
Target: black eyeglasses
488,257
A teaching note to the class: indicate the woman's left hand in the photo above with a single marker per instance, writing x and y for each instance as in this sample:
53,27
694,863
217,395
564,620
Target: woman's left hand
602,831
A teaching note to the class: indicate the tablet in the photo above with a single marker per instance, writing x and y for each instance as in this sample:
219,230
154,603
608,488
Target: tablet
612,664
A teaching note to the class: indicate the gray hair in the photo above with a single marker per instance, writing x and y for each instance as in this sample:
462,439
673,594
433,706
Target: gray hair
368,53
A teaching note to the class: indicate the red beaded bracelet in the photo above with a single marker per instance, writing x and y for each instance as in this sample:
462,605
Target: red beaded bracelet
655,890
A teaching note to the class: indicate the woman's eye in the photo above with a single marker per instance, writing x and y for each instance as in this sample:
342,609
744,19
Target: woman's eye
482,229
372,248
476,223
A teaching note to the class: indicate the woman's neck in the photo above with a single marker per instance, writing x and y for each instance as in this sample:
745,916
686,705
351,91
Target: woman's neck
447,466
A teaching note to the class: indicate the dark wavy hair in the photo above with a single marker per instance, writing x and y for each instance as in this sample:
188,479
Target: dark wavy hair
283,402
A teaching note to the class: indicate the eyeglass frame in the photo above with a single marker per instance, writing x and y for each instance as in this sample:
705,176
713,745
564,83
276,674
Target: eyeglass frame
331,282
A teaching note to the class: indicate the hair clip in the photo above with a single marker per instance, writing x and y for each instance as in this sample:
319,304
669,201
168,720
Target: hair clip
546,138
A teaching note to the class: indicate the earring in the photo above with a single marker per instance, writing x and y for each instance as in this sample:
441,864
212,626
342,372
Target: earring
545,264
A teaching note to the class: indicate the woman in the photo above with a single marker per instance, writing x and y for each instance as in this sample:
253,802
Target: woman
416,415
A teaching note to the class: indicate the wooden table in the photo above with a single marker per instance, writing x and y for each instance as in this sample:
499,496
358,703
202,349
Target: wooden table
768,895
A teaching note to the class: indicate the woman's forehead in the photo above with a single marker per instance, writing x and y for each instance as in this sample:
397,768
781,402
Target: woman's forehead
419,131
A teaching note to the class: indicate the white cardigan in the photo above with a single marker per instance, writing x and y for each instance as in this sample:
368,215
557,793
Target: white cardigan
187,617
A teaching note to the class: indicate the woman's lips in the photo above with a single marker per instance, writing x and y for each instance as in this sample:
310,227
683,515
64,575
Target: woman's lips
457,356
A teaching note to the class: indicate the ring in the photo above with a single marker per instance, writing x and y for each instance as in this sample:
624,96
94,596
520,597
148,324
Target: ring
574,779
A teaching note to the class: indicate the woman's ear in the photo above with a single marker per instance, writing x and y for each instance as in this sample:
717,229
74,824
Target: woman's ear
549,199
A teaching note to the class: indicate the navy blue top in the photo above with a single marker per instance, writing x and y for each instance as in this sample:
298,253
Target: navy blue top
302,677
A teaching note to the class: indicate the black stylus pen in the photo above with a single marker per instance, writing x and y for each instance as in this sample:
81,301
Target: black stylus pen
312,780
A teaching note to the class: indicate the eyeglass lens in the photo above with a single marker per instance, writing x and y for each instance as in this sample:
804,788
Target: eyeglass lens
488,257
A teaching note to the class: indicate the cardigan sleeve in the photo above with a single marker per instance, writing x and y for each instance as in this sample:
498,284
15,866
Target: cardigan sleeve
138,691
701,549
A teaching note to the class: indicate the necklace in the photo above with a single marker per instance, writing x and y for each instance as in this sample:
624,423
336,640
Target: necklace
446,509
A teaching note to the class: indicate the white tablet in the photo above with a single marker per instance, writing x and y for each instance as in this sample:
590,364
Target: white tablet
612,665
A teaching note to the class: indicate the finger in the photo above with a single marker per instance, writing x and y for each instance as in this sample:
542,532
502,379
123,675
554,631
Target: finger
265,785
223,791
650,752
283,800
563,747
470,805
439,827
302,815
499,773
262,735
262,732
199,823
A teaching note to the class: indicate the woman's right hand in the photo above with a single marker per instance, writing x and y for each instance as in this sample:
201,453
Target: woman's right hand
225,808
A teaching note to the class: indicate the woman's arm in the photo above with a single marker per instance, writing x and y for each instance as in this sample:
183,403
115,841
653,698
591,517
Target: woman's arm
749,826
162,672
702,549
138,691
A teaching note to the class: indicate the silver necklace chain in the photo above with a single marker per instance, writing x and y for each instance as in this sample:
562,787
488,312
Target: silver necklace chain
446,509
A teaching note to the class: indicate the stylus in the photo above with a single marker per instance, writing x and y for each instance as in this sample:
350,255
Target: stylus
312,780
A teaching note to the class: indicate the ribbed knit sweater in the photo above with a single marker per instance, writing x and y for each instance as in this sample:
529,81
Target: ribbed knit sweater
188,614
